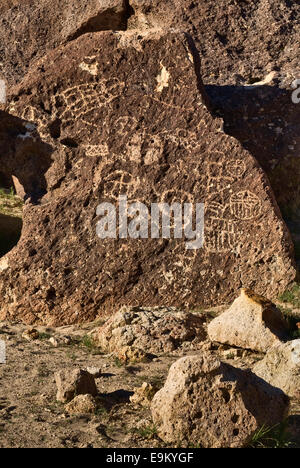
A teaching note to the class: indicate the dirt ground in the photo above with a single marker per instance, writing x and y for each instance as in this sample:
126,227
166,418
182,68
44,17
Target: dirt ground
30,416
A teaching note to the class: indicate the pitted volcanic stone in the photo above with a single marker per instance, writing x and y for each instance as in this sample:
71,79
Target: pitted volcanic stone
207,403
157,330
120,115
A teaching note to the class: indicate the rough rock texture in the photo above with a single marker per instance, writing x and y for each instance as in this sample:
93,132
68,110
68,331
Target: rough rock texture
73,382
143,395
242,43
7,4
281,367
239,41
252,322
82,404
267,123
24,158
157,330
214,405
30,335
36,26
151,138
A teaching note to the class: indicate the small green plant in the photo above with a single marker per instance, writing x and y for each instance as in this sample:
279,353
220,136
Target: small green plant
10,203
118,362
71,355
157,381
88,343
292,296
44,336
101,411
147,432
271,437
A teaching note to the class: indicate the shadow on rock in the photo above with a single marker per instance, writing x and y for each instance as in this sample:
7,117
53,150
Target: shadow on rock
24,155
267,123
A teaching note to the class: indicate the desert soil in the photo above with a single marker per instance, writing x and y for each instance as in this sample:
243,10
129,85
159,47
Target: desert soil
30,416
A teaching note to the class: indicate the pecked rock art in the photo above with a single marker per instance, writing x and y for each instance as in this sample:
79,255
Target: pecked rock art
136,127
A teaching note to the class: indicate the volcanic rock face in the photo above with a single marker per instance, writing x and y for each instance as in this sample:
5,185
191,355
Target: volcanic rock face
242,43
33,27
266,121
239,41
215,405
124,117
251,322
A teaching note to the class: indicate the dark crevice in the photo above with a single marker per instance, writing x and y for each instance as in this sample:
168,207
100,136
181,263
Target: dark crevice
10,232
69,142
112,19
55,129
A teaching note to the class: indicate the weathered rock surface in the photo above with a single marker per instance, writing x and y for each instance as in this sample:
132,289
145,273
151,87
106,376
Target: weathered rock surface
157,330
239,41
252,322
82,404
244,44
241,44
30,335
152,139
266,121
143,395
281,367
214,405
25,158
74,382
33,27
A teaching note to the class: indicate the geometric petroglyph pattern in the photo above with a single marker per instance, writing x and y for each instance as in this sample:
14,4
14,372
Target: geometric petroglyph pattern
121,183
220,235
245,205
81,101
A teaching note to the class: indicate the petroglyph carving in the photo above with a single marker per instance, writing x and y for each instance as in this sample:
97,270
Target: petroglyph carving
162,79
236,168
220,235
245,205
96,150
134,148
90,65
81,101
36,116
154,151
120,183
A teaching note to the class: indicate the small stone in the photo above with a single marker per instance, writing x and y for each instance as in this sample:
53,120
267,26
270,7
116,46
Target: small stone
252,322
281,367
31,334
82,404
94,371
143,395
53,341
74,382
60,341
151,330
214,404
128,354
